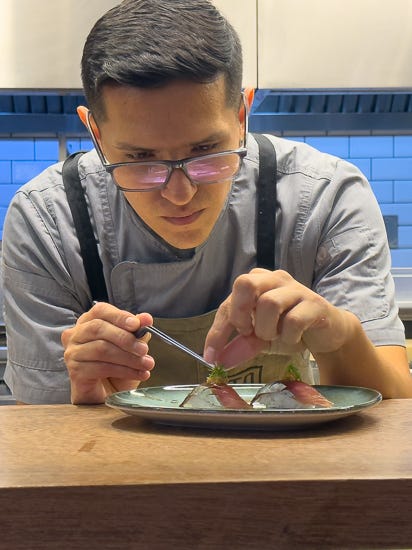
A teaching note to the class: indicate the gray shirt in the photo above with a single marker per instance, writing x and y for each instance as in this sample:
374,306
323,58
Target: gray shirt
330,237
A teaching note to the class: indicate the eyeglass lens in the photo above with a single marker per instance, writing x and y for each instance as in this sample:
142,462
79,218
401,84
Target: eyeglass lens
208,169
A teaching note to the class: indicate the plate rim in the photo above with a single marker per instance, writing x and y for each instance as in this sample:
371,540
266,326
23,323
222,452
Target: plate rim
376,397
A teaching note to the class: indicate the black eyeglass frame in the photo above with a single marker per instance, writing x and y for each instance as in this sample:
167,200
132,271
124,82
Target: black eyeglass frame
171,164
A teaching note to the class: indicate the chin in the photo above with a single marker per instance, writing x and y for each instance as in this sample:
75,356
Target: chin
185,242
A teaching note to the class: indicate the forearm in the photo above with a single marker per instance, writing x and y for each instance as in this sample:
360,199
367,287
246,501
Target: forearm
359,363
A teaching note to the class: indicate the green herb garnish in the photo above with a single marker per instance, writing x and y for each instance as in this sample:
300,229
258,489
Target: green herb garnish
218,375
292,373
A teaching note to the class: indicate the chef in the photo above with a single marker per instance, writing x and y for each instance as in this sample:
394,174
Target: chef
256,251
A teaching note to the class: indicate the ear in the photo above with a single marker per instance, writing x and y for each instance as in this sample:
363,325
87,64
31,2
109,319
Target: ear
83,113
249,94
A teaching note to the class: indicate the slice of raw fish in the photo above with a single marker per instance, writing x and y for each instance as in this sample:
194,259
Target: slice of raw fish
290,394
215,393
201,397
214,396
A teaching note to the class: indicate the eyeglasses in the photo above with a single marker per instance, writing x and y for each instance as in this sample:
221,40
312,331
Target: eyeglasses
148,176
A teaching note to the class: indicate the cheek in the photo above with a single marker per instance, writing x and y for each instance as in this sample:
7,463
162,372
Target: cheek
142,203
219,193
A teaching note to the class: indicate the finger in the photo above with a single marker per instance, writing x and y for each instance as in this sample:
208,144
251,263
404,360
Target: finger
95,390
247,290
119,384
240,349
219,333
115,316
101,332
298,320
273,307
104,351
86,373
240,317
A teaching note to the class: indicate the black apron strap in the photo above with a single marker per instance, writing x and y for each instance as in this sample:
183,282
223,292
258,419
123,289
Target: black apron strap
88,246
266,203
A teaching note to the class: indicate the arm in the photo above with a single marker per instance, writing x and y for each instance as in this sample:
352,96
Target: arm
332,239
359,363
273,312
43,300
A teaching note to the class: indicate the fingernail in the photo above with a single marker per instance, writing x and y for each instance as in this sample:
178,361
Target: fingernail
148,362
140,348
210,355
130,322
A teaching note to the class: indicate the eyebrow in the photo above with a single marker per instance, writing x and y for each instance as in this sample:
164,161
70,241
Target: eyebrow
216,136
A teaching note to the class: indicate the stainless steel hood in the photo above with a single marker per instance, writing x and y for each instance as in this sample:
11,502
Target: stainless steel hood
319,64
41,41
335,44
288,44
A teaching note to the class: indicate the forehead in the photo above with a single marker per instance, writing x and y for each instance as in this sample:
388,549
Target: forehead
217,87
180,107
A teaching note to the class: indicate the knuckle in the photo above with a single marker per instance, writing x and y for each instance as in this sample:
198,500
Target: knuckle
99,308
282,276
243,283
65,336
268,306
267,301
95,328
293,321
258,271
73,366
244,294
124,339
70,354
83,318
101,348
321,303
67,356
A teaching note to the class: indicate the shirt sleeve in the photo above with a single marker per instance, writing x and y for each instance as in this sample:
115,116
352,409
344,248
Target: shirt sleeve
41,299
352,266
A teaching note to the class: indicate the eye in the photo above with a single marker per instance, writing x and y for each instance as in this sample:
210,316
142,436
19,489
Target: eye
141,155
205,147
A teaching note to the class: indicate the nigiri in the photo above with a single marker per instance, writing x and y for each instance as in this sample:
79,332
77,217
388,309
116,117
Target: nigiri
290,393
215,393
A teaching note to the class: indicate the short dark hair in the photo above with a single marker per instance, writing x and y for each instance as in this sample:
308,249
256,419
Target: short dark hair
149,43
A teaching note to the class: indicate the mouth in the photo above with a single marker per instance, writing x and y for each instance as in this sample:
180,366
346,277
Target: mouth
184,220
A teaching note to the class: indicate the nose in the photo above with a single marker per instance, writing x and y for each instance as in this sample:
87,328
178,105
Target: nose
179,189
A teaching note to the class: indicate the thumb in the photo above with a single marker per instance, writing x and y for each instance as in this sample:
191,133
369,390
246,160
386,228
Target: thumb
240,349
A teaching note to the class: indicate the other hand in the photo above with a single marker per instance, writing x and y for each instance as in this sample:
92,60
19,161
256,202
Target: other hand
272,312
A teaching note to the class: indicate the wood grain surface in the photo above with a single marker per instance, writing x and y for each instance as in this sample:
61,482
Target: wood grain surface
91,477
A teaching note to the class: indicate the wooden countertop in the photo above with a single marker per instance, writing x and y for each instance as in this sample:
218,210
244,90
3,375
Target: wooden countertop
92,477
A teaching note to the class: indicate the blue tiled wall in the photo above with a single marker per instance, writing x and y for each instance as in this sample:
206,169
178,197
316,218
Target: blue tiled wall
385,160
22,159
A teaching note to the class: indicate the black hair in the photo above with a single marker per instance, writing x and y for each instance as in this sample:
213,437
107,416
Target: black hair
149,43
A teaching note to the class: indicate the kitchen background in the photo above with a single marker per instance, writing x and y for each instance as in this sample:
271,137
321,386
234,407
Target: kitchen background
334,73
383,155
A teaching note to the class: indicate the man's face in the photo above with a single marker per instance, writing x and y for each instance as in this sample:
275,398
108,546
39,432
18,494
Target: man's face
180,120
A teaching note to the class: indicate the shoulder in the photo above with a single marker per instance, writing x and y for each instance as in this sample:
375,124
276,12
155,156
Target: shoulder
305,175
52,177
45,193
297,157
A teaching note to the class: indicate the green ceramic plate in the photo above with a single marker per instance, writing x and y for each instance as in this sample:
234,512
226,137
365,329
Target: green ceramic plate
161,405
